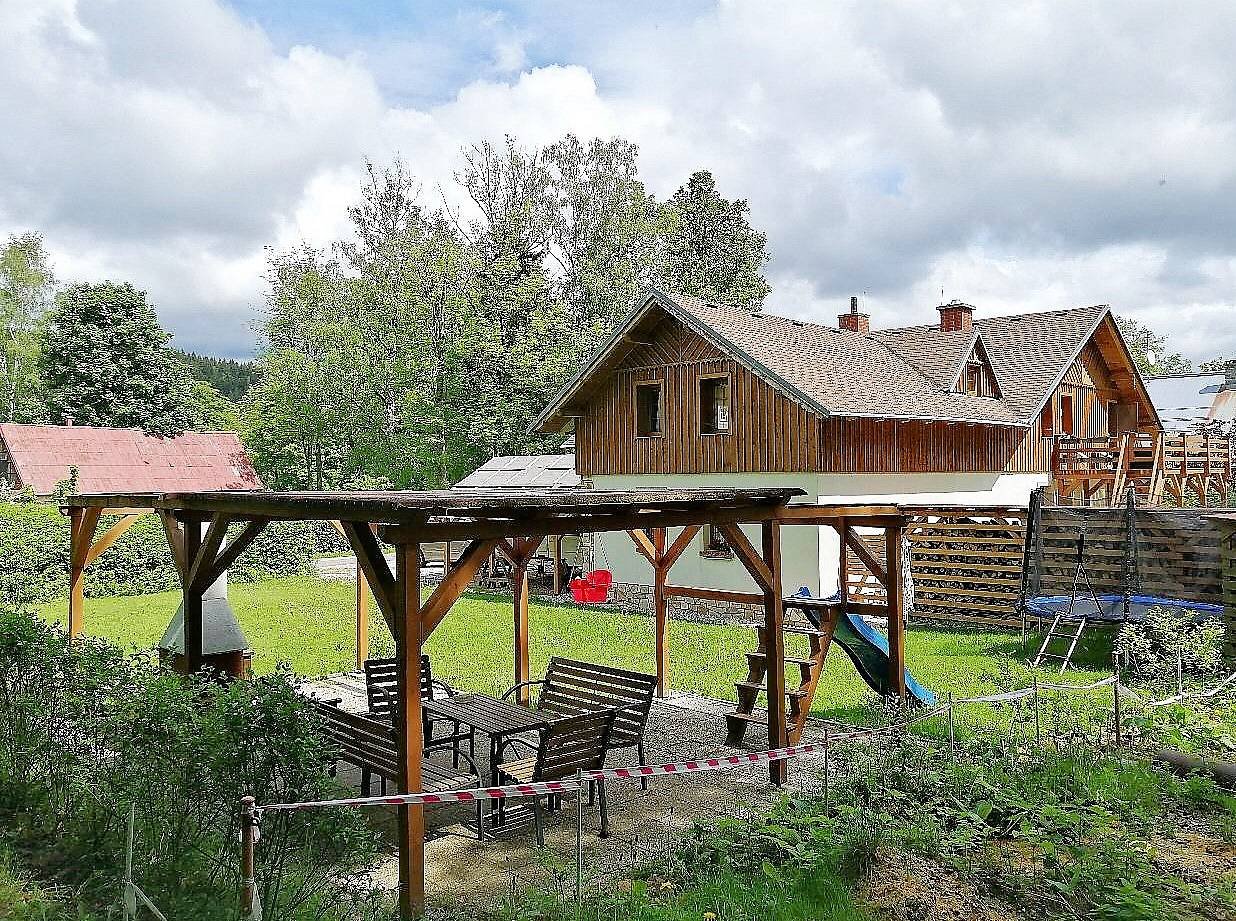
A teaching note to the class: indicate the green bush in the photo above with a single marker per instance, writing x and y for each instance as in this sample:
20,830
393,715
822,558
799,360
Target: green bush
90,732
34,555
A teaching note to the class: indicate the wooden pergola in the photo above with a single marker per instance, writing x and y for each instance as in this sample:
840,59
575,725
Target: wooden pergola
514,522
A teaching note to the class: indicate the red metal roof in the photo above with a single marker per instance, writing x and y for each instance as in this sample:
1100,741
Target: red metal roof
126,460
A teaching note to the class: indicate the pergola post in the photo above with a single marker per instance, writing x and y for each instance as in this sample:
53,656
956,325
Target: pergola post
408,642
82,524
843,567
774,612
895,591
362,617
660,605
519,591
194,628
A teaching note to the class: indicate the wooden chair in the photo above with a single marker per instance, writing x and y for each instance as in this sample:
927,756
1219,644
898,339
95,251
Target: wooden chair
565,747
571,687
382,692
373,746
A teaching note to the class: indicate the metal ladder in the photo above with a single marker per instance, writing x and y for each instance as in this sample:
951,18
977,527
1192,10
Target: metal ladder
1059,626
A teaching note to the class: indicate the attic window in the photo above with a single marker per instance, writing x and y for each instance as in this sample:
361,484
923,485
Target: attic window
648,409
974,377
714,405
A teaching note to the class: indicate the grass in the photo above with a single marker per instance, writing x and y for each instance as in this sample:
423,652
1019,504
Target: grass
309,624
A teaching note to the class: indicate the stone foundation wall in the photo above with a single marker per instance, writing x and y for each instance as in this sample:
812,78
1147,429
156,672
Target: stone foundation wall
629,596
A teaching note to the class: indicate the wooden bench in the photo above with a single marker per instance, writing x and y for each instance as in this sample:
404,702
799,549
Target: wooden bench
372,746
571,687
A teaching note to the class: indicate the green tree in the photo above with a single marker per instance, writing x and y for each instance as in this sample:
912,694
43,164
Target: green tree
26,289
712,252
1150,350
1215,364
227,375
105,361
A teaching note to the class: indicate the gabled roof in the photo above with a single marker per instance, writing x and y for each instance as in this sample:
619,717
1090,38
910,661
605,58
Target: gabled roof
906,373
126,460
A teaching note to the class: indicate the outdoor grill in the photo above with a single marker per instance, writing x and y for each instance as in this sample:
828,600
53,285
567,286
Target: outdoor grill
224,648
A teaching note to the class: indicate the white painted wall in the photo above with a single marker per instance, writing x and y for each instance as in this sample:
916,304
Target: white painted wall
799,545
810,555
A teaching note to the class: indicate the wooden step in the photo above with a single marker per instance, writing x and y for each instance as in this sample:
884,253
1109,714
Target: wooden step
737,722
789,660
797,693
796,629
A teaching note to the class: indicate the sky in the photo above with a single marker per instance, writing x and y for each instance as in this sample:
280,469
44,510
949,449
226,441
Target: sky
1017,156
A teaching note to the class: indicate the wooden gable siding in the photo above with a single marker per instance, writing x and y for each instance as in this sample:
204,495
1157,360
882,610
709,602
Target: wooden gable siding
768,431
852,445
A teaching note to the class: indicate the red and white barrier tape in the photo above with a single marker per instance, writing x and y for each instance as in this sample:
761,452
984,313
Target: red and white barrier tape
432,799
705,764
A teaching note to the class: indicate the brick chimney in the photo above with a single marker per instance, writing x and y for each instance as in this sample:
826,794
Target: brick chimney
854,321
956,316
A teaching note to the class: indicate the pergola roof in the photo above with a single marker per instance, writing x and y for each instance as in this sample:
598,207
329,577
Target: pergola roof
415,507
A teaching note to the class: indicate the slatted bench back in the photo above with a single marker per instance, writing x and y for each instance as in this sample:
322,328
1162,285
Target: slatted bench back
382,684
574,743
573,687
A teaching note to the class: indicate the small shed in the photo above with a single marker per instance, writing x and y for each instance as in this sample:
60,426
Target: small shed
41,457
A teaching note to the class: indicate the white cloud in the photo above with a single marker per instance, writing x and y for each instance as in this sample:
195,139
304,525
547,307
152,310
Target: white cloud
1020,156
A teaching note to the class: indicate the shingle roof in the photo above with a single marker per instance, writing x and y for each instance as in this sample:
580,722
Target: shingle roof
537,471
903,373
113,460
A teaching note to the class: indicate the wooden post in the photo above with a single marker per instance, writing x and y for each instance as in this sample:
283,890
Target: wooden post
775,652
660,610
408,642
555,543
519,589
193,626
896,616
82,525
362,617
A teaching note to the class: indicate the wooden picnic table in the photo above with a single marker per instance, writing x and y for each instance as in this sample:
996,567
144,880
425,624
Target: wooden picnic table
490,716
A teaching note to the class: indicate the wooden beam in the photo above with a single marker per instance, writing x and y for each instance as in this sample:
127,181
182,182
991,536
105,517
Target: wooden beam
660,605
192,623
713,594
894,587
223,562
855,543
774,613
645,546
373,563
680,544
82,524
747,555
408,641
111,535
454,583
175,541
200,563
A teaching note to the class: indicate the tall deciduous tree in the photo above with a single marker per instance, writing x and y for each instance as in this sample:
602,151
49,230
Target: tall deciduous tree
1150,350
26,289
105,361
712,251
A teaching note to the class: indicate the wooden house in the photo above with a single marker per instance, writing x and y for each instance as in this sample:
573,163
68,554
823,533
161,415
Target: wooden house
968,410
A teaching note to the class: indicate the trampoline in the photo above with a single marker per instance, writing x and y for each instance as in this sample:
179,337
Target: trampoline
1111,608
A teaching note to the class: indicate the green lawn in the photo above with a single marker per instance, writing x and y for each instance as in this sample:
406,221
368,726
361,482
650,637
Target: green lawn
309,623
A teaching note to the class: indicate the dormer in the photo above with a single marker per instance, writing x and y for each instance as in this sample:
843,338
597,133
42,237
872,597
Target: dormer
976,375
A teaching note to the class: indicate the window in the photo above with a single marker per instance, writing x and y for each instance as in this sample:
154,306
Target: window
1047,420
714,405
1067,420
1113,418
648,409
715,544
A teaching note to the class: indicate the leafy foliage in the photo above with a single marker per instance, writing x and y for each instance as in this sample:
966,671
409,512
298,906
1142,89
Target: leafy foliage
26,285
105,361
1166,638
34,556
94,732
1150,350
228,376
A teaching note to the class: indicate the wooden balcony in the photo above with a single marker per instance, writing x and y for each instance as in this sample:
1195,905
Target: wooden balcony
1183,469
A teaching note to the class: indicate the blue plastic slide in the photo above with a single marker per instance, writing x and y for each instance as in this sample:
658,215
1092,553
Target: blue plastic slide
868,650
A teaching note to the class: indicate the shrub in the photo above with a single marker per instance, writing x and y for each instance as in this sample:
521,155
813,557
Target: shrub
1153,648
87,731
34,555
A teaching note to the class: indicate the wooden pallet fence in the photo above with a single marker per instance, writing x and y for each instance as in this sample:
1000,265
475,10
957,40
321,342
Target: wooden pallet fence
966,565
1229,591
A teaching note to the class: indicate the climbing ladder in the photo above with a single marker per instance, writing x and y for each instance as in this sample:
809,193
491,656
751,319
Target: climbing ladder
1061,634
798,698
